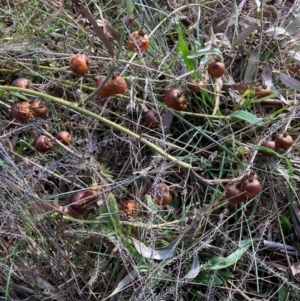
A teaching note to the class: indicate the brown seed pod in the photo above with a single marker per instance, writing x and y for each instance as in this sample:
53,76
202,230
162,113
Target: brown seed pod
81,200
294,67
160,194
130,207
195,86
234,195
251,187
64,137
216,69
269,144
21,83
174,99
284,141
138,41
20,110
38,108
149,119
79,63
42,144
262,91
115,85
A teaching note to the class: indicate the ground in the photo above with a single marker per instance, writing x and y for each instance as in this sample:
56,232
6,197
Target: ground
156,192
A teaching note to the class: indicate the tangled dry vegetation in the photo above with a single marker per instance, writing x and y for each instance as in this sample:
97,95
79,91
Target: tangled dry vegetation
149,150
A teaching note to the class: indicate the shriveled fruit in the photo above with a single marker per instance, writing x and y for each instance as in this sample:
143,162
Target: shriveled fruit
269,144
138,41
64,137
262,91
21,82
160,194
42,143
216,69
251,187
234,195
294,67
284,141
81,200
130,207
149,119
195,86
115,85
174,99
79,63
20,110
38,108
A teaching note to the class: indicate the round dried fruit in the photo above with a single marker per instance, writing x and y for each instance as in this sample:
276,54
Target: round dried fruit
20,110
160,194
138,41
42,143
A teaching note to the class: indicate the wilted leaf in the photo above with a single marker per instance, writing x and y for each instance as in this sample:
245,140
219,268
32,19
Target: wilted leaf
109,30
295,268
251,66
220,262
99,32
277,30
296,56
267,75
124,282
289,82
195,269
247,116
148,252
245,34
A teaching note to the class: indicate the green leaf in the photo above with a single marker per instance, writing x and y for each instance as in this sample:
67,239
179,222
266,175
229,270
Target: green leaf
213,51
189,63
209,279
220,262
247,116
109,213
286,226
283,292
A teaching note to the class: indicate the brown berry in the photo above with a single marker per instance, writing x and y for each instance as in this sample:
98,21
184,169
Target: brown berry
251,187
216,69
160,194
234,195
294,67
64,137
42,144
262,91
138,41
284,141
195,86
38,108
79,63
174,99
269,144
20,110
149,119
81,200
21,83
130,207
115,85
